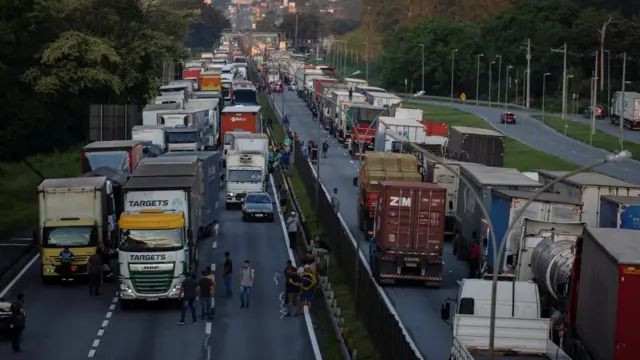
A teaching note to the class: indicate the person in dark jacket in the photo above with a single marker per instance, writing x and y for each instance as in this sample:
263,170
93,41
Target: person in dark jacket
18,322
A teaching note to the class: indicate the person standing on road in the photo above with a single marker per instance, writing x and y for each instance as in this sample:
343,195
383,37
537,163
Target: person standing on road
206,287
292,229
66,258
293,293
283,194
189,294
288,271
18,323
474,260
325,149
96,273
246,284
335,201
226,273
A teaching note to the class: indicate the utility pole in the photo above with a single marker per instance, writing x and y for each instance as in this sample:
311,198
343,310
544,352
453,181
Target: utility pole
366,64
594,98
344,69
528,73
621,114
453,69
563,50
490,73
422,65
506,89
608,82
478,79
295,38
499,75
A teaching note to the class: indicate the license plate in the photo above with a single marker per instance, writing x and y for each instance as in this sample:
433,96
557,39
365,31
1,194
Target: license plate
412,259
411,265
153,299
259,215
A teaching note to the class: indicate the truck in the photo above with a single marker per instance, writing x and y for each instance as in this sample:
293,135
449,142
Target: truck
409,232
364,89
620,212
436,173
407,113
243,93
476,145
626,109
353,82
470,223
213,113
335,112
240,118
344,120
520,331
188,129
506,206
210,81
382,99
310,88
326,104
362,133
78,213
157,250
378,166
246,173
409,128
121,155
587,189
301,77
170,99
150,112
150,133
194,75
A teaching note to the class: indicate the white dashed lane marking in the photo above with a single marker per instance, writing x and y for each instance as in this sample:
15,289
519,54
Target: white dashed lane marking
105,323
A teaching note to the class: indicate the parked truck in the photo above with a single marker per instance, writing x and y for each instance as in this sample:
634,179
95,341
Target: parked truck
362,133
75,213
620,212
193,75
301,77
626,109
210,81
154,134
121,155
240,119
246,173
378,166
409,232
324,101
520,330
382,99
332,110
505,208
150,112
353,82
470,223
157,250
587,189
409,128
408,113
364,89
476,145
203,166
344,118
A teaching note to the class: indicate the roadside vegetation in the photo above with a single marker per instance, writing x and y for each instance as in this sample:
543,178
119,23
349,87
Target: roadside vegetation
517,155
355,333
582,133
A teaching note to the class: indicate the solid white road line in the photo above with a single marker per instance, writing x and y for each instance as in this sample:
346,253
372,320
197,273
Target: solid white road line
20,275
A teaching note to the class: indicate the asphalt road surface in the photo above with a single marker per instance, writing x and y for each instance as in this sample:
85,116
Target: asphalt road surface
66,323
533,133
418,307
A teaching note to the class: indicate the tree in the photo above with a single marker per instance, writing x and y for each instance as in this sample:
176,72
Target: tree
343,26
267,23
310,26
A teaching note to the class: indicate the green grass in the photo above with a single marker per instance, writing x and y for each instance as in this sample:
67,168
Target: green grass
18,183
355,332
517,155
582,132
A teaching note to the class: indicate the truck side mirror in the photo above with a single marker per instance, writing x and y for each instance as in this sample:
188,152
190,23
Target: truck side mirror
445,310
355,181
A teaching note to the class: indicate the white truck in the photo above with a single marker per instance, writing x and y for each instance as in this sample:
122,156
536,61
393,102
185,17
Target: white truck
353,82
229,138
153,133
519,328
337,97
344,120
211,106
246,173
382,99
408,113
409,128
188,129
626,109
587,188
157,249
170,99
302,75
150,112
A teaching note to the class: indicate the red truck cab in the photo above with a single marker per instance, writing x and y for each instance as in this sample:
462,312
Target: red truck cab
120,155
409,232
240,118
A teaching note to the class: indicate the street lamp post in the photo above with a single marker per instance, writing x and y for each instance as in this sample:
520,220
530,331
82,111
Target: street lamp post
490,79
506,89
564,94
422,64
366,61
624,107
478,78
453,69
608,82
499,75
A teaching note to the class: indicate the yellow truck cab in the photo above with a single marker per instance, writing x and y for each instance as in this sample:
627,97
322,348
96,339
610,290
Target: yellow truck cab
78,213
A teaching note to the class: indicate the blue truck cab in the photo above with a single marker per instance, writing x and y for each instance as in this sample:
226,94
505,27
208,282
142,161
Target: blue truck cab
620,212
504,210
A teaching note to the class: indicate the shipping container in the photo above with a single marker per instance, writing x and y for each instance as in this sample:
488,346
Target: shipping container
437,173
382,99
409,232
505,208
407,113
587,188
626,109
620,212
436,128
476,145
409,128
607,284
121,155
240,118
470,223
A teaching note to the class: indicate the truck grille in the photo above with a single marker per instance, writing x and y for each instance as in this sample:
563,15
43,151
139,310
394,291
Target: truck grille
151,282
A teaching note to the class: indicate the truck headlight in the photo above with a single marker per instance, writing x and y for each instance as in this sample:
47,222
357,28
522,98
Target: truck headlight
125,288
229,194
177,287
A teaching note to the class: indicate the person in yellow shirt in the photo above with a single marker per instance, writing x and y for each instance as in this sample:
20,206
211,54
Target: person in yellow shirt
213,281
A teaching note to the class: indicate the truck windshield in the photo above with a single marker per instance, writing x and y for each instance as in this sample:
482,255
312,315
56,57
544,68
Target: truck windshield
114,159
245,176
243,96
182,137
71,236
149,240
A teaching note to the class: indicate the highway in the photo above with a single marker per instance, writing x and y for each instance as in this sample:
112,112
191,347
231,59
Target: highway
66,323
533,133
418,307
603,125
